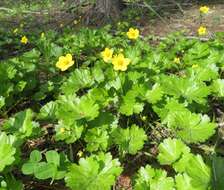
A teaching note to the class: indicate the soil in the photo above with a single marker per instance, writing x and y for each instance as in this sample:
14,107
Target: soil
188,21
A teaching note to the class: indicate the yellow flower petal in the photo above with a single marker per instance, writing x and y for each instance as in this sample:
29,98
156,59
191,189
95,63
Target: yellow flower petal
107,55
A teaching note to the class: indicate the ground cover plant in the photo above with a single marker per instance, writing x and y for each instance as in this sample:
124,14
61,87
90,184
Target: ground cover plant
81,110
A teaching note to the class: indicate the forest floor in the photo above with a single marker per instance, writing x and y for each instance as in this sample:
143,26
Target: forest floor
188,21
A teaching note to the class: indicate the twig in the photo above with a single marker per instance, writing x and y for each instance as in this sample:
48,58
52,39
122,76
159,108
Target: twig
25,11
179,6
71,153
157,14
187,37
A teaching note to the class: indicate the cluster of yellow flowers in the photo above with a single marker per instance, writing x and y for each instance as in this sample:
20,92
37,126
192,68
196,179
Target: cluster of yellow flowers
64,62
119,61
202,30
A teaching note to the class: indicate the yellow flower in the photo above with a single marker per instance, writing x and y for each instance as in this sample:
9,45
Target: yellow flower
80,153
65,62
42,35
107,55
204,9
15,30
194,66
176,60
202,31
62,130
133,34
24,40
120,62
61,25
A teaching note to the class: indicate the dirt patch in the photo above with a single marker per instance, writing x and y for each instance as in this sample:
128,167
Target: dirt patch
189,21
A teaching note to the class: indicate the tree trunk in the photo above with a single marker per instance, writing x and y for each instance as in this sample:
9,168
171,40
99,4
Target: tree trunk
108,8
104,11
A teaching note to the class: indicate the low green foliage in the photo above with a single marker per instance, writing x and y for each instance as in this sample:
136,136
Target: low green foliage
85,120
93,173
45,170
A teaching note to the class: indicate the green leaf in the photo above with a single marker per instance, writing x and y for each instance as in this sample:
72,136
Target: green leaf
192,127
35,156
154,95
153,179
29,168
69,132
181,164
217,173
20,86
48,111
53,157
199,172
218,87
130,140
74,108
12,183
100,96
45,170
7,151
2,101
203,73
21,124
183,182
93,173
97,139
170,150
129,105
98,74
187,88
134,54
165,112
7,155
80,78
104,120
199,50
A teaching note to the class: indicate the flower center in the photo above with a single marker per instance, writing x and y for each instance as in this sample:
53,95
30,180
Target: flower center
120,62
